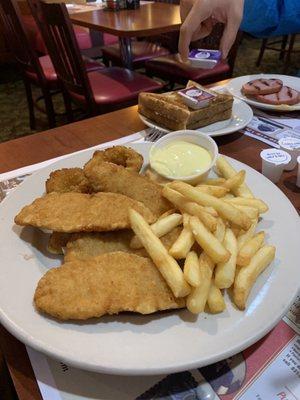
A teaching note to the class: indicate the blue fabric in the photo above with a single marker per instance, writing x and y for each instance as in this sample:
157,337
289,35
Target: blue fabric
264,18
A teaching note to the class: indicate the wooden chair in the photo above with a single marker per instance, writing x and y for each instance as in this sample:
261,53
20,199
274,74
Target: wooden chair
37,71
284,53
98,92
172,70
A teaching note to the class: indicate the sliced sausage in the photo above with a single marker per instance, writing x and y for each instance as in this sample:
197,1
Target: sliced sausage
286,95
262,86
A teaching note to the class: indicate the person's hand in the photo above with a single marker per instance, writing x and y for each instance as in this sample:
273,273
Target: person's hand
199,18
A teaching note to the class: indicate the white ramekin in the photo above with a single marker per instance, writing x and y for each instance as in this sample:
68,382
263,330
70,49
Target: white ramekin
193,137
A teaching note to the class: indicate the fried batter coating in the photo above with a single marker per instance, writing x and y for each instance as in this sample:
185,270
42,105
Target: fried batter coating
68,180
107,284
119,155
108,177
79,212
57,241
85,245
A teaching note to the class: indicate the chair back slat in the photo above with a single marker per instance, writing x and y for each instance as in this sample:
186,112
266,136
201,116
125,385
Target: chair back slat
59,37
17,39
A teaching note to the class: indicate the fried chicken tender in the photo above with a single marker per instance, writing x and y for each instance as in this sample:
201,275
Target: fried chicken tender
79,212
68,180
107,284
57,241
82,246
108,177
119,155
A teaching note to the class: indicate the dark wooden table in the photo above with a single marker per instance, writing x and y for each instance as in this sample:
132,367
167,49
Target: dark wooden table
81,135
150,19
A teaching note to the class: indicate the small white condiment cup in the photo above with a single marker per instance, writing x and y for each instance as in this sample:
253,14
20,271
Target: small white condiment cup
273,163
292,146
298,173
190,136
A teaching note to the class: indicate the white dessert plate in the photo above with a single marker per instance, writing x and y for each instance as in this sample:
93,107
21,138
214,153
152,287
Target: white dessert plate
133,344
241,116
235,85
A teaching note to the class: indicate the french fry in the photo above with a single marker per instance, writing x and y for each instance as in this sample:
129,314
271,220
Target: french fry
215,181
197,299
252,212
166,264
242,239
220,231
247,276
225,209
160,228
257,203
228,196
225,271
235,180
215,299
211,211
209,243
236,231
227,171
184,242
250,248
191,208
166,213
217,191
191,270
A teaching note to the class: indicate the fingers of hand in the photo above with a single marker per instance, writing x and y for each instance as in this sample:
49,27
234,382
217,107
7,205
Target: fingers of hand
234,18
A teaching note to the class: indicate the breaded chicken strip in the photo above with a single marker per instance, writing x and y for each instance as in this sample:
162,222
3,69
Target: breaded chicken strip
85,245
119,155
107,284
79,212
91,244
68,180
108,177
57,241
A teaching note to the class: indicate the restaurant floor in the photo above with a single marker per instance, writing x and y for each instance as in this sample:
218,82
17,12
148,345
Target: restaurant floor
13,106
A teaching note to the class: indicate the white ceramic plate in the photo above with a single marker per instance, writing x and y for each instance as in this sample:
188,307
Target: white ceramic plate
132,344
241,116
235,85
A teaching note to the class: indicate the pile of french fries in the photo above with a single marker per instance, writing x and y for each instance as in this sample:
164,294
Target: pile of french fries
218,245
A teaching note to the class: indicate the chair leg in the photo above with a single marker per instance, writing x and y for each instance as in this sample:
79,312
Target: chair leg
283,46
261,53
106,61
68,106
30,103
288,55
49,108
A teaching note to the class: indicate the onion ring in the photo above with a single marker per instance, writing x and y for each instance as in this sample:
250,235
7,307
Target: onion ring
119,155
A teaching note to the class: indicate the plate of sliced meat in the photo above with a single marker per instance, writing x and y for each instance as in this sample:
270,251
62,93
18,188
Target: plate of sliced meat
268,91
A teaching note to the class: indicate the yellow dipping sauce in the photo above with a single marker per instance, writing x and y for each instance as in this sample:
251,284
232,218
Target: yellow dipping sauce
180,158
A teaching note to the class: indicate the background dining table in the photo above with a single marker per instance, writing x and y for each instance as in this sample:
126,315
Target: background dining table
81,135
147,20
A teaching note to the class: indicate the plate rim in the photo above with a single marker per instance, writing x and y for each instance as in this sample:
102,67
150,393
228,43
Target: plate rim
39,345
221,132
263,106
